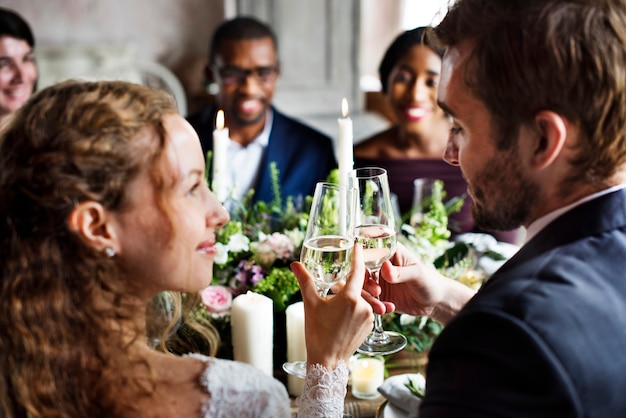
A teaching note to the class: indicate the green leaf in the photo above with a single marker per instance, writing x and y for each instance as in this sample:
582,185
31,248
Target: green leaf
452,256
279,285
414,389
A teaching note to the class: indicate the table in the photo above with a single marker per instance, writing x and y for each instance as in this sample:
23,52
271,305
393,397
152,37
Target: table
399,363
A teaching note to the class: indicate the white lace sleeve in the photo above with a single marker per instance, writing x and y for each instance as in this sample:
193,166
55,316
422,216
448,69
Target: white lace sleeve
240,390
324,392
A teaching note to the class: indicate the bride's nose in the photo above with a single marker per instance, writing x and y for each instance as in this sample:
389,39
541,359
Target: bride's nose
217,216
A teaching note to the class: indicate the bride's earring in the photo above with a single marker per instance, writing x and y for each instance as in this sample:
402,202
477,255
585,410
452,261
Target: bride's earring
110,252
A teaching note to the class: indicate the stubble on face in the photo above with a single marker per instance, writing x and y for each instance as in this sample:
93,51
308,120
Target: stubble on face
503,195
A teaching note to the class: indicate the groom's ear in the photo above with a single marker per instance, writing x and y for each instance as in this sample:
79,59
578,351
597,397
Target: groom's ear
550,137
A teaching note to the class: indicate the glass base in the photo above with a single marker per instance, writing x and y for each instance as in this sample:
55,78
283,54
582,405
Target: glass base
295,368
392,342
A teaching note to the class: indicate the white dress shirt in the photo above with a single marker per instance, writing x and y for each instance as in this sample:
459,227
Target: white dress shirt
540,223
245,162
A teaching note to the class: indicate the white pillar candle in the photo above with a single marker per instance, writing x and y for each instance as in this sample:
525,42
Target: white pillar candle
345,144
296,347
220,157
344,155
252,323
367,374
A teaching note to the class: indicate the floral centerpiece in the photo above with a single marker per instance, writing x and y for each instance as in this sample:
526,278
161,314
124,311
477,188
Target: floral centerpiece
257,246
254,251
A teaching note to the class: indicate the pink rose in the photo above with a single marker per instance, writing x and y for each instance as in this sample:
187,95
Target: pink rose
217,299
272,247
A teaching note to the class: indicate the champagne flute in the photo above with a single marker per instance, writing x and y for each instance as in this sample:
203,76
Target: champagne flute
163,317
375,230
423,189
328,244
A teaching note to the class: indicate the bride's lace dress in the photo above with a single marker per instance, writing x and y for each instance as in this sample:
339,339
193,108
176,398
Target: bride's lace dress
240,390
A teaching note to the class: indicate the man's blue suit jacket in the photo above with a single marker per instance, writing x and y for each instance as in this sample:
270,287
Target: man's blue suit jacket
546,335
303,155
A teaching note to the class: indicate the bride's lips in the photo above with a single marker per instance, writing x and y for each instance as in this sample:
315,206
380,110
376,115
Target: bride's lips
207,247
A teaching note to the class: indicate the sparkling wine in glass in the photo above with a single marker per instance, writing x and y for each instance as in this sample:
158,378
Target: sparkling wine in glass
375,231
328,244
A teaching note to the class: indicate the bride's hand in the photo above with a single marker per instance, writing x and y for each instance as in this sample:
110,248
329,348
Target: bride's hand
337,325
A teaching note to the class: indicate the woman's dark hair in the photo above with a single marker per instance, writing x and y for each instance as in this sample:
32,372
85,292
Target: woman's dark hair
13,25
399,47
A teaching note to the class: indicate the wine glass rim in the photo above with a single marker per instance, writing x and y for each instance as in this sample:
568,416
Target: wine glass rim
368,172
333,185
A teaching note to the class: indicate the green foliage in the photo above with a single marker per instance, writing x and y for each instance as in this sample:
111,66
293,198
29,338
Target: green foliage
269,217
333,176
420,332
412,387
434,225
452,256
430,241
430,238
277,203
279,285
256,247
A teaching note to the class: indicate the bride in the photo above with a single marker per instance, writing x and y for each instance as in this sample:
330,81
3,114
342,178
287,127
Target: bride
104,205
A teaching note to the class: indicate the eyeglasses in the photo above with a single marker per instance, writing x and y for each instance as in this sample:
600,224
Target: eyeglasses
236,75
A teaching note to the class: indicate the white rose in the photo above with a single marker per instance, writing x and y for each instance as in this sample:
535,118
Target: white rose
222,253
280,244
264,253
406,319
238,243
295,236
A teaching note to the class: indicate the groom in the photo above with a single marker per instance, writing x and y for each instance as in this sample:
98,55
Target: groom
537,94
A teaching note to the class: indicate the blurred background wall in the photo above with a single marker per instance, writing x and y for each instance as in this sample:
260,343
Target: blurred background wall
329,48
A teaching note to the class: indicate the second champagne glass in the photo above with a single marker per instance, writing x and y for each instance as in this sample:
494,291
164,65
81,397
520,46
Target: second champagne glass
328,244
375,230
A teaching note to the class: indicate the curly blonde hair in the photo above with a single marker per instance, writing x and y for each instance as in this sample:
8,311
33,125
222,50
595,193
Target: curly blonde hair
60,356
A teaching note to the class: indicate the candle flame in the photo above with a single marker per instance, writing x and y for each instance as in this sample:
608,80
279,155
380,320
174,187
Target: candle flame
344,107
219,120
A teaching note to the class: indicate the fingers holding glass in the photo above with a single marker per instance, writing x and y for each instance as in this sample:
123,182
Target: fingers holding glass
375,231
328,244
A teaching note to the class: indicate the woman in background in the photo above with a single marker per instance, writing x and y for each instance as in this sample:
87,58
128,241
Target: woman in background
18,70
413,147
104,205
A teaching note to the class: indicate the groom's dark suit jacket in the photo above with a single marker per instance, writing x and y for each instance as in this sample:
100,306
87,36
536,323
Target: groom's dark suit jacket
303,155
546,335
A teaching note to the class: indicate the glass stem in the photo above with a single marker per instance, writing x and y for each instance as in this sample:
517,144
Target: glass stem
378,324
322,291
378,335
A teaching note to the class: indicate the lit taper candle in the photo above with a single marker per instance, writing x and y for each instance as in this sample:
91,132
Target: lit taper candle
220,157
344,154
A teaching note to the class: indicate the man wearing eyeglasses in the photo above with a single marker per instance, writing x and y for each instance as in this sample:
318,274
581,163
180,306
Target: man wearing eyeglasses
243,61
